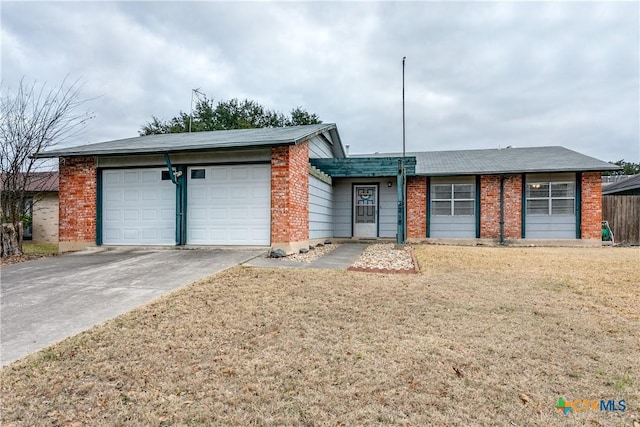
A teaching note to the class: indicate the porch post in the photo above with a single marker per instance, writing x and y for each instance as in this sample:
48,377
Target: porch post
400,186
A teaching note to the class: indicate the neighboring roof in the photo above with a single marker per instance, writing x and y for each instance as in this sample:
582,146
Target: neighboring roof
37,181
198,141
628,184
499,161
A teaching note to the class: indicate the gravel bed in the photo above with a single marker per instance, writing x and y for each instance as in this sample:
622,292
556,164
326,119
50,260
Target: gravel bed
385,256
312,255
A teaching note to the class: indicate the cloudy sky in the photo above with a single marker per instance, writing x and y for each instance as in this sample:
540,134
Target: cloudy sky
478,74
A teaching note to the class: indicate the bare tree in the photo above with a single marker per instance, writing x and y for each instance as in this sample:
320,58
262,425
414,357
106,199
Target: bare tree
33,118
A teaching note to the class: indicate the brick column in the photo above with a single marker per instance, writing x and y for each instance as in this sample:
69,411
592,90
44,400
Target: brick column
591,206
512,206
490,207
77,197
290,197
416,207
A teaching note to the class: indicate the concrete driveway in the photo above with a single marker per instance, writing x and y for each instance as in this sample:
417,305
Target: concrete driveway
45,301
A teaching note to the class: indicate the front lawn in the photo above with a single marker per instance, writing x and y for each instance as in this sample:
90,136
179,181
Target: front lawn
481,336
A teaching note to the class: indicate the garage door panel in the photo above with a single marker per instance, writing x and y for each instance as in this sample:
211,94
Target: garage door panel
217,214
239,214
138,207
131,177
130,196
237,202
218,193
239,192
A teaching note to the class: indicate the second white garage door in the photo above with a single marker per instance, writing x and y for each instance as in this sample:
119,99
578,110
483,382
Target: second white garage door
229,205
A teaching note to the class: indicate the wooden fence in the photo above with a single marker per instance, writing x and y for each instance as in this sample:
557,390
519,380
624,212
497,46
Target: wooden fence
623,214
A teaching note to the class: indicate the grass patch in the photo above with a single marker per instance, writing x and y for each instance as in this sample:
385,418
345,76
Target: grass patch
39,248
460,343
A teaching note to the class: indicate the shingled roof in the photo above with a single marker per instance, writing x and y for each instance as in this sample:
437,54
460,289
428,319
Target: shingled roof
632,183
198,141
502,161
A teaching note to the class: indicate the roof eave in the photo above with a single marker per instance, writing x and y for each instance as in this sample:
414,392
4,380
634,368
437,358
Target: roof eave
157,150
514,171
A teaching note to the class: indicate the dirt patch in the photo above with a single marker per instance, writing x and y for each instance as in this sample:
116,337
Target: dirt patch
481,336
31,251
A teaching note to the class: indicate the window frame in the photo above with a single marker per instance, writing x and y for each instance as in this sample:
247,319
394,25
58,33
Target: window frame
549,198
452,199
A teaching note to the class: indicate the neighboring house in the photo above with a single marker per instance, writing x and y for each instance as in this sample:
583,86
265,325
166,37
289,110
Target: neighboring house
621,208
291,187
41,204
629,186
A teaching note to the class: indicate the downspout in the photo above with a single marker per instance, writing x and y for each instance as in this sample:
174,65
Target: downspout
502,209
178,185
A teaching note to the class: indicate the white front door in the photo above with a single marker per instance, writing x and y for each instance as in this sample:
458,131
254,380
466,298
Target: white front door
365,211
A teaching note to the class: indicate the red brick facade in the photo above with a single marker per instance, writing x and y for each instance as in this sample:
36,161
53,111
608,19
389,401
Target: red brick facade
77,195
490,206
290,202
513,206
416,207
290,194
591,206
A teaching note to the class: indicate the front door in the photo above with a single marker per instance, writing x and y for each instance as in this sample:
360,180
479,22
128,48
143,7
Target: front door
365,211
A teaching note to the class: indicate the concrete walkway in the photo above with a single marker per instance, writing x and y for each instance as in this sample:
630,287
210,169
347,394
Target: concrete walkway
338,259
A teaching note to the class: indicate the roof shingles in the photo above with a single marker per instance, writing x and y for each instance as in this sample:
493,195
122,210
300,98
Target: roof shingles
499,161
195,141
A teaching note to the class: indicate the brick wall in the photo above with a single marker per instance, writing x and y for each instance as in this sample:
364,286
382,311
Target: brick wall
77,195
512,207
290,194
591,206
416,207
490,206
45,218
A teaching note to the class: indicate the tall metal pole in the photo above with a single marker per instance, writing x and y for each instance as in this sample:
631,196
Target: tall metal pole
403,120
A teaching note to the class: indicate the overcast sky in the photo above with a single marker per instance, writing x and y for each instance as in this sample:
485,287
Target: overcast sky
478,74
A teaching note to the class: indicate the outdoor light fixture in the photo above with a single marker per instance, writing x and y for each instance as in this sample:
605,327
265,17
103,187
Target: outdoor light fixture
389,184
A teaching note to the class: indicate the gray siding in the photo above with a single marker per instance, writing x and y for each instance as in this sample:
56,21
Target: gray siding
319,148
454,226
550,226
343,206
320,209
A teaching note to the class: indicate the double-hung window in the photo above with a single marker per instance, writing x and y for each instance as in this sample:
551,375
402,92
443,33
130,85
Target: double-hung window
453,199
551,198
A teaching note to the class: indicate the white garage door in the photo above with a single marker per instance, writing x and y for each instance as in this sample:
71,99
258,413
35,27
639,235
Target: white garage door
229,205
139,208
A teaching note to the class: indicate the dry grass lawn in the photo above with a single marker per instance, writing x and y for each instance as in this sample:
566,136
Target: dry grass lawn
482,336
